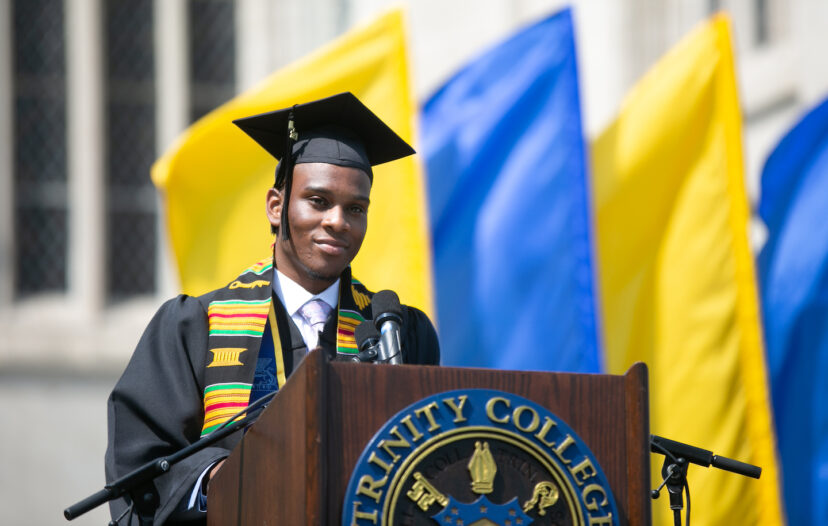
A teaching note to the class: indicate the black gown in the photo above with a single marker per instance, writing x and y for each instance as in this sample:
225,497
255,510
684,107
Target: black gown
156,408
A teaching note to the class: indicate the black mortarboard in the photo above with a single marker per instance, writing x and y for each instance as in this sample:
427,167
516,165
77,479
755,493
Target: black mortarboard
338,130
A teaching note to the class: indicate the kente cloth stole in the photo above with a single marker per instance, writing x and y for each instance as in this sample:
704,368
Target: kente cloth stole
237,317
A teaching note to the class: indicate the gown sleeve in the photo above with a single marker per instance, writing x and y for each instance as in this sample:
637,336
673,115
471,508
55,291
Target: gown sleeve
156,408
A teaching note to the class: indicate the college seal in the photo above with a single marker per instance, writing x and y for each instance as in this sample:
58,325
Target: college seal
477,457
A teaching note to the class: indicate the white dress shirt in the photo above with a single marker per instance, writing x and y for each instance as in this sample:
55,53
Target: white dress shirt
293,296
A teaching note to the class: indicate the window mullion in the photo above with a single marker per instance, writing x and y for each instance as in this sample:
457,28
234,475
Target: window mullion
7,276
85,147
173,102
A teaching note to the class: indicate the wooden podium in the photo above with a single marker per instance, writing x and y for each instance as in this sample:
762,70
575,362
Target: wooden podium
294,464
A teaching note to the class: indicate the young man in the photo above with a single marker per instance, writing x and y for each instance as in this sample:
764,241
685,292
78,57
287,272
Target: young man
203,359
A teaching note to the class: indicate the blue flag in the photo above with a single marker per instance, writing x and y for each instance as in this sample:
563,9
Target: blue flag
510,209
793,274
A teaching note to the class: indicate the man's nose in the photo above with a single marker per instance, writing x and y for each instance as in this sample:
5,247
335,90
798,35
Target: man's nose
335,219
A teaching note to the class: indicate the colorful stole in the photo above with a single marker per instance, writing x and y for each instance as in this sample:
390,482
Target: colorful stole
237,317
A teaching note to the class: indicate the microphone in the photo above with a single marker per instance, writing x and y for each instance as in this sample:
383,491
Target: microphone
367,338
385,306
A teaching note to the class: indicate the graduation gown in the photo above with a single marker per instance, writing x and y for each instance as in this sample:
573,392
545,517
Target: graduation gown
157,406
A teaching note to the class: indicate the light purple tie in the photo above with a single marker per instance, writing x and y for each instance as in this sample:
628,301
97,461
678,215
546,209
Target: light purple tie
316,312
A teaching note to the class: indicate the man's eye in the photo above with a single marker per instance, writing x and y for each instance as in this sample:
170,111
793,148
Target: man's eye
356,209
318,201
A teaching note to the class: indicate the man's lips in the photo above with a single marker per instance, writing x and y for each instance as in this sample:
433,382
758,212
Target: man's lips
331,247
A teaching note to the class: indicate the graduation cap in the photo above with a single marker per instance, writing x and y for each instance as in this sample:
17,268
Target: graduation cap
337,130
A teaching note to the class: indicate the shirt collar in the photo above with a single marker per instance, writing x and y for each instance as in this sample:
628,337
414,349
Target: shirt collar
293,295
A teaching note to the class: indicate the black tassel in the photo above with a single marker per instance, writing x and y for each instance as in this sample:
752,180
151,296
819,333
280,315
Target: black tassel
287,176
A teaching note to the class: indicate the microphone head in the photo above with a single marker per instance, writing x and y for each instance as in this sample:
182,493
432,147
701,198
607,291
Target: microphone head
386,305
366,335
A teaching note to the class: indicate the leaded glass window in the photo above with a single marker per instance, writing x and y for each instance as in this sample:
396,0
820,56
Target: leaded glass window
130,134
212,54
40,159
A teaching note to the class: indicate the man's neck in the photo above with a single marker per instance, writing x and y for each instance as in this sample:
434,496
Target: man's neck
309,282
293,295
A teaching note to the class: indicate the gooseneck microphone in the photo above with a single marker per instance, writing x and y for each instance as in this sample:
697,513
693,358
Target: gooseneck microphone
367,338
387,312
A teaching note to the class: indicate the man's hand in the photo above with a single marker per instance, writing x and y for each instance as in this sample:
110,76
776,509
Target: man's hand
213,472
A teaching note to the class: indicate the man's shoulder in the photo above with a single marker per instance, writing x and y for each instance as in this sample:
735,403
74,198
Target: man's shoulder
418,334
182,307
364,296
252,282
419,337
184,303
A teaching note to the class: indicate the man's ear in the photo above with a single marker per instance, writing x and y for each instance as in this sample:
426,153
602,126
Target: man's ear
274,207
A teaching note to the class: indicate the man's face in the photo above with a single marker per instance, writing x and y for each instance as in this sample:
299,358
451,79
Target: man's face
328,220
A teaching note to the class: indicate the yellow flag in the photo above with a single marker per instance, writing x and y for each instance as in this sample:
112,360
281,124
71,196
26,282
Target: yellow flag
215,177
677,278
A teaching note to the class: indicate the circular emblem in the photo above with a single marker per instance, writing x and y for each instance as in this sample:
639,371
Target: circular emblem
477,457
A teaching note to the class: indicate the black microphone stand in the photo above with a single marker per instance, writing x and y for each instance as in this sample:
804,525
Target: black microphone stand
677,457
139,484
674,472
